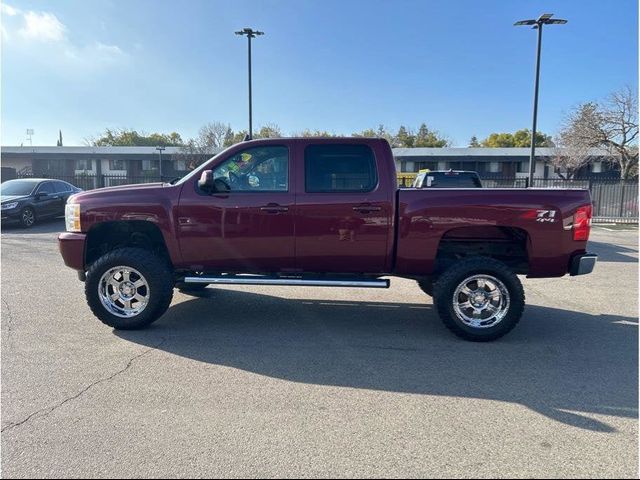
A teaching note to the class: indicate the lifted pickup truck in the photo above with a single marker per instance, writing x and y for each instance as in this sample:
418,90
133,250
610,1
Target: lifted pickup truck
321,212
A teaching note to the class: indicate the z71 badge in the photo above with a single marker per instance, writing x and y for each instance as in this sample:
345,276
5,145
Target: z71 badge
546,216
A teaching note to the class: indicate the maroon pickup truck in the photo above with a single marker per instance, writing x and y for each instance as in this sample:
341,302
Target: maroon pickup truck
321,212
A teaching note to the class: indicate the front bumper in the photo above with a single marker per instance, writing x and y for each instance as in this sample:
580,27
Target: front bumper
11,215
72,249
582,264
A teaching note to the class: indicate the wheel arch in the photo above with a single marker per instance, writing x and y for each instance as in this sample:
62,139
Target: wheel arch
107,236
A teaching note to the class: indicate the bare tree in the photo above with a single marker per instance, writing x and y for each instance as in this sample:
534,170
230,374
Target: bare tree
212,135
611,124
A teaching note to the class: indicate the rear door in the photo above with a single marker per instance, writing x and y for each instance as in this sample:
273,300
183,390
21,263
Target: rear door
344,209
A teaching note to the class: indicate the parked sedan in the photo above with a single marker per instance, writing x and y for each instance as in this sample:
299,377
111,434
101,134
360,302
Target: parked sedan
28,200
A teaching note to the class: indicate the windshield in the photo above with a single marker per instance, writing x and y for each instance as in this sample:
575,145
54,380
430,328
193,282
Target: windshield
17,187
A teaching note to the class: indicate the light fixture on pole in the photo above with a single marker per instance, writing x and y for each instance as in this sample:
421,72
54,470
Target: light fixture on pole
160,149
544,19
250,33
30,134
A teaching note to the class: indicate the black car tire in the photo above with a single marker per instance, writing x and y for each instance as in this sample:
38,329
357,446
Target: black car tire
28,217
159,282
509,291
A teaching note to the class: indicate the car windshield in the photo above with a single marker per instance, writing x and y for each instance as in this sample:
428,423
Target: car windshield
17,187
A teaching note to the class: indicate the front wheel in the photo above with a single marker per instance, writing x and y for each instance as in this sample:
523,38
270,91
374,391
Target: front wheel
129,288
479,299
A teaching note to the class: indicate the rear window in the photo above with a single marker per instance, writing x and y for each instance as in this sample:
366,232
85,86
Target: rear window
339,168
443,180
62,187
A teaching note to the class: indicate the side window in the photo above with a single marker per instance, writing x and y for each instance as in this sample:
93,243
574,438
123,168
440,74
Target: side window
62,187
258,169
339,168
46,187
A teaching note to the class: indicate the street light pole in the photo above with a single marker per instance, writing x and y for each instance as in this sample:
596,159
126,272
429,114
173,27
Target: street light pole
250,33
544,19
160,149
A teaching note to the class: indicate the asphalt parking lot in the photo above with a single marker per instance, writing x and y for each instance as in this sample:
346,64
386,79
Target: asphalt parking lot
294,382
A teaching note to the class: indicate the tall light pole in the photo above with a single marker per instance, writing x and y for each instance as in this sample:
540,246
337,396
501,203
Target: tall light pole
250,33
544,19
160,149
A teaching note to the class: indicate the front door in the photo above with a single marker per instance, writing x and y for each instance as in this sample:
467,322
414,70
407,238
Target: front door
248,229
344,210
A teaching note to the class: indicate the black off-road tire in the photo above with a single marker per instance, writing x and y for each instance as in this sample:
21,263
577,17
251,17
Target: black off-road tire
28,217
156,271
447,283
426,285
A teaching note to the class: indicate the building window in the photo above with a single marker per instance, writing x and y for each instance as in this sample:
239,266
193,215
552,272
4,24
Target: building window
149,164
116,164
494,167
181,165
84,164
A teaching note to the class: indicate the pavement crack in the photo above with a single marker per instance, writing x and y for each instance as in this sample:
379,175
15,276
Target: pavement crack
48,410
9,320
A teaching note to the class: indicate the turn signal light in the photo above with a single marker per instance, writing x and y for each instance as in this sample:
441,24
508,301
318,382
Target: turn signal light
582,223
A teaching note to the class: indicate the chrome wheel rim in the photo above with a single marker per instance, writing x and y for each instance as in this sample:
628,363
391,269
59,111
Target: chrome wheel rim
123,291
28,218
481,301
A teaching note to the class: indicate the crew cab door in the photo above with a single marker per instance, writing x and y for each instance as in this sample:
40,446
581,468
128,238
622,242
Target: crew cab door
344,208
248,229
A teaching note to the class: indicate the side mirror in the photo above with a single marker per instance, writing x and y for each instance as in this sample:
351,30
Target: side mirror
206,181
209,185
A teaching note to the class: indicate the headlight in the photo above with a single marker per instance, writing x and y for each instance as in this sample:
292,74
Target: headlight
72,217
8,206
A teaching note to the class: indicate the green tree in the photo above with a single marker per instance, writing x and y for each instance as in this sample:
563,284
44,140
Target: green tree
473,143
521,138
405,137
270,130
131,138
429,138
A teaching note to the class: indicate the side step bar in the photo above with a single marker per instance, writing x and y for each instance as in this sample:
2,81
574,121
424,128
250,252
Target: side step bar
294,281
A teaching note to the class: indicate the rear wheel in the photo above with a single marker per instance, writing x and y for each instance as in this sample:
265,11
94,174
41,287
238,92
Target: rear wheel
129,288
28,217
479,299
426,285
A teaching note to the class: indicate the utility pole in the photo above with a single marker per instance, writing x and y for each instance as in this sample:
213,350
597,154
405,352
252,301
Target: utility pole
160,149
544,19
250,33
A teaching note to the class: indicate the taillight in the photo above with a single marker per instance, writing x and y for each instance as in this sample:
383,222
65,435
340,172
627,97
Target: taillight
582,223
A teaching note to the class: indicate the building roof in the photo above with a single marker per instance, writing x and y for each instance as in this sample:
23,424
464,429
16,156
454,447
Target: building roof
93,150
397,152
484,152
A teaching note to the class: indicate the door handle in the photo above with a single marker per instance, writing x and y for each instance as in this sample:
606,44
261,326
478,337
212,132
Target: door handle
367,208
274,208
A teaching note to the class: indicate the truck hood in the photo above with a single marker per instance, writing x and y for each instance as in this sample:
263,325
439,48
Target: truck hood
119,190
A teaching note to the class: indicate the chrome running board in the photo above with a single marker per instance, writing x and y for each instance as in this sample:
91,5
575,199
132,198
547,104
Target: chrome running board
293,281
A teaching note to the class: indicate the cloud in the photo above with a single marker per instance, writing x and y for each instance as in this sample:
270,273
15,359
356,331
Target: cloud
42,26
45,40
9,10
